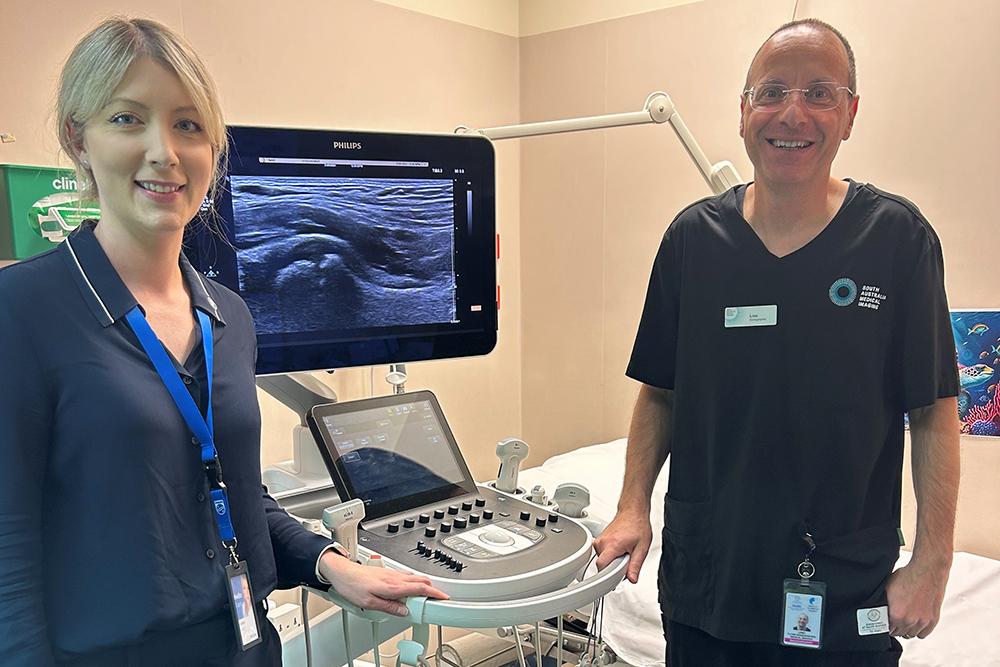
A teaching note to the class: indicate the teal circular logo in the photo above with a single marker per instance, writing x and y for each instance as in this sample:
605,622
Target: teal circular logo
843,292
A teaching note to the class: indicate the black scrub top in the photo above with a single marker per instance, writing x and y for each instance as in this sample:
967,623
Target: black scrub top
107,532
796,426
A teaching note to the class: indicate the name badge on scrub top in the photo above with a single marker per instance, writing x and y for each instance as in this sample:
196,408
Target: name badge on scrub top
750,316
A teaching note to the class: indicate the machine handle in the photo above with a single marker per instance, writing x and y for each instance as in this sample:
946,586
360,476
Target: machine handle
492,614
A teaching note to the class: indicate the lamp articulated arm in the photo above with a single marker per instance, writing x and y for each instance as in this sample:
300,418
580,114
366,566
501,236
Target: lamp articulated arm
659,108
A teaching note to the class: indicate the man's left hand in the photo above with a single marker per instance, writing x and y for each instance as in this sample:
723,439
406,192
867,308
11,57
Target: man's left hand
915,593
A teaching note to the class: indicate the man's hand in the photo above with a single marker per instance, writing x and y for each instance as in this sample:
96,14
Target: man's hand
628,533
915,593
375,588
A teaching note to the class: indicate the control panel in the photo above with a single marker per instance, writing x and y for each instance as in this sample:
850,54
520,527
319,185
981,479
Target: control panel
482,536
397,459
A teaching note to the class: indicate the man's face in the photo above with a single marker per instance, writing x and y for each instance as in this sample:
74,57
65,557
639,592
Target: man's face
797,58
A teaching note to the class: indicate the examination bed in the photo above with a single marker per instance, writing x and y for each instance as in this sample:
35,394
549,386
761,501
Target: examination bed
967,635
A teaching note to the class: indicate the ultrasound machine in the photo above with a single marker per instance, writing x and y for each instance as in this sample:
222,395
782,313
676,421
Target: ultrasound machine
357,249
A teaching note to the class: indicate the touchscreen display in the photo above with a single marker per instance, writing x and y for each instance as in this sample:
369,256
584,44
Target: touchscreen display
395,456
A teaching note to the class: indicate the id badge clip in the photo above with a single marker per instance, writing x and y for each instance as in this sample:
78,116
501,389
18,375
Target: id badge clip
802,616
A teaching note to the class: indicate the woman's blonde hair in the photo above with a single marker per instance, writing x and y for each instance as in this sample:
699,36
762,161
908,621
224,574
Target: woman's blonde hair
96,68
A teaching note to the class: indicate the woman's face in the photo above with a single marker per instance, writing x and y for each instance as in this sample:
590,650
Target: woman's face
150,157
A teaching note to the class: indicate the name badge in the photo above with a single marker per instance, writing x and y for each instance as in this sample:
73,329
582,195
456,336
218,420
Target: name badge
750,316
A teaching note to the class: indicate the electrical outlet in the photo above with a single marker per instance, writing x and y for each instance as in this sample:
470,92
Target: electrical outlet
287,619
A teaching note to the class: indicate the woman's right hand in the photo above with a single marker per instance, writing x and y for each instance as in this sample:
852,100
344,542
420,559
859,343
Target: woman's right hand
375,588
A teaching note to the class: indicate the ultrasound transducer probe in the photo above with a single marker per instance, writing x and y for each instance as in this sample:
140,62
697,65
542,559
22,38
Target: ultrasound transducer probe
342,521
511,452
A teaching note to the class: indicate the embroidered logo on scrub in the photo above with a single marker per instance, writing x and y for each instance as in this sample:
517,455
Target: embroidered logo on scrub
843,291
220,507
871,297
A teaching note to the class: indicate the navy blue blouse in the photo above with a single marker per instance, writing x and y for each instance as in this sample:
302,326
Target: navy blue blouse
106,533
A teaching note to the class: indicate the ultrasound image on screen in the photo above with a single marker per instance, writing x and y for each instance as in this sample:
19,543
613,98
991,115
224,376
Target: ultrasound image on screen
321,254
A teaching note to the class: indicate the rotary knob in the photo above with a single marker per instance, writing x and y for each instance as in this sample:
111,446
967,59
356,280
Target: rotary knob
424,518
487,514
445,527
438,514
452,509
480,502
467,506
460,522
540,521
430,532
473,518
408,522
525,515
393,527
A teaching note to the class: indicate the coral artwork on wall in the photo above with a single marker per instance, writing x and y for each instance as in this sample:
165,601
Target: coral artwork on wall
977,342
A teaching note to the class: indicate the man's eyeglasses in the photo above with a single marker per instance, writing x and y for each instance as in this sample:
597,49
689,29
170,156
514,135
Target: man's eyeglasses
818,96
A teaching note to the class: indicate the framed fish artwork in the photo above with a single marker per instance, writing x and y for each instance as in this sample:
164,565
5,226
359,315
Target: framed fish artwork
977,341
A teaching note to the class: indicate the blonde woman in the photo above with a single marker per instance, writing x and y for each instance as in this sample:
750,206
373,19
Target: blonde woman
130,486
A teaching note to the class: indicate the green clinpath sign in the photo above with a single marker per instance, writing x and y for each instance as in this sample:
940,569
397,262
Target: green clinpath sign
39,207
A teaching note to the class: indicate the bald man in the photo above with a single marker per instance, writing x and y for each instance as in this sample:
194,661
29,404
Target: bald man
788,326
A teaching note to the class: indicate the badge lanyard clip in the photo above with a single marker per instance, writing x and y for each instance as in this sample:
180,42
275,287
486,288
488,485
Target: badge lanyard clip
806,568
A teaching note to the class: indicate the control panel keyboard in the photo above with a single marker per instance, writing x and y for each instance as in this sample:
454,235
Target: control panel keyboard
488,534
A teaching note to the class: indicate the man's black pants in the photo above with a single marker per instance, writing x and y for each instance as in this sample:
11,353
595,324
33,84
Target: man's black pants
690,647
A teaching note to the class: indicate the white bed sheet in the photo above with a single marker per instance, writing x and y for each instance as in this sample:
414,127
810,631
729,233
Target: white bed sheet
967,636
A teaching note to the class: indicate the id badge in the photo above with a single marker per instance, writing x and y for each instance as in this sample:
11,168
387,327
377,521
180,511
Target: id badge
802,619
242,606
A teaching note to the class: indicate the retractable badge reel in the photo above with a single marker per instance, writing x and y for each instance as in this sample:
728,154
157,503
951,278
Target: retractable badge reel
802,619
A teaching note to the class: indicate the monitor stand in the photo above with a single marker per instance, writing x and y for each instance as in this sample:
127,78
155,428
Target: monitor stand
291,482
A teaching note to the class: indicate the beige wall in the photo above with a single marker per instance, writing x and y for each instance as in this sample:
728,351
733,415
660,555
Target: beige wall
594,205
580,215
342,64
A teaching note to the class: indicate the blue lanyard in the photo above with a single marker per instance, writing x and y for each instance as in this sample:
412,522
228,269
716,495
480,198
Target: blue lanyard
201,427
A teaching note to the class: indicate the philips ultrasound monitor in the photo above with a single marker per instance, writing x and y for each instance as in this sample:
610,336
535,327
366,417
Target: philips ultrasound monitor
356,248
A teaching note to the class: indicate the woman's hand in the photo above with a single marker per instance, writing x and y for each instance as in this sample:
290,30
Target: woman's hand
375,588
